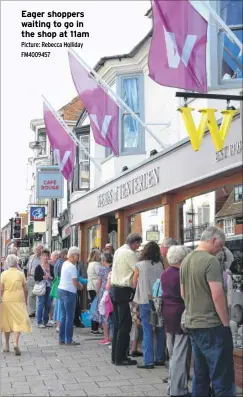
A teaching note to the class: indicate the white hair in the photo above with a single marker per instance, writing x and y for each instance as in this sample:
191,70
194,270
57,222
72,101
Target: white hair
72,251
169,242
12,260
55,253
213,232
176,254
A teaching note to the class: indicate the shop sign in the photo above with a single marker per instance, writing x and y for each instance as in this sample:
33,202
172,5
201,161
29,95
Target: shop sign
152,236
142,182
50,183
209,123
229,150
37,214
239,221
30,229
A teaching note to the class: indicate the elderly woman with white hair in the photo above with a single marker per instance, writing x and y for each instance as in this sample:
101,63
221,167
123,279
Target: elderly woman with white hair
14,314
67,291
172,310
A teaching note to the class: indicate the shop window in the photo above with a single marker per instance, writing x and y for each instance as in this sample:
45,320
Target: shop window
84,163
93,241
131,90
238,193
229,226
154,212
230,58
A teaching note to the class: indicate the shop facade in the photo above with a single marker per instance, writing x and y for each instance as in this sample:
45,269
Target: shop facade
177,193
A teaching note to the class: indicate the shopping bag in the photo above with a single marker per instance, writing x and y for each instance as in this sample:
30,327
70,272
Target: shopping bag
93,308
54,287
85,319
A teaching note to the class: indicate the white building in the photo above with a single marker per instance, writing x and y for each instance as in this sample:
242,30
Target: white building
49,230
157,105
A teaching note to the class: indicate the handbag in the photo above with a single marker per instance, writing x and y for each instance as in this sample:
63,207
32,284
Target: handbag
54,287
157,305
39,288
153,318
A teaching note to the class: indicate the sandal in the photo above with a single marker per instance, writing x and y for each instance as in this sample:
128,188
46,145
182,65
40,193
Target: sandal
17,350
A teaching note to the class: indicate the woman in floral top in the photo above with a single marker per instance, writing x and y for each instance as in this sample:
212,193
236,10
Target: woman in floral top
106,260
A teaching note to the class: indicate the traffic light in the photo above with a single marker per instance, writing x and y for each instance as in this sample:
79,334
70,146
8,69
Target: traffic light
17,226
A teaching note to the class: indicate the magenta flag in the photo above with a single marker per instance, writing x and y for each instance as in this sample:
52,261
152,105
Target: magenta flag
177,55
63,146
103,111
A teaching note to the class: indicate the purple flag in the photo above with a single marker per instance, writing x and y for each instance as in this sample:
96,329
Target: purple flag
103,111
177,55
62,144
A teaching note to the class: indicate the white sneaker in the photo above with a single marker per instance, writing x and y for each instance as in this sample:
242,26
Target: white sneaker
41,326
57,329
49,324
52,322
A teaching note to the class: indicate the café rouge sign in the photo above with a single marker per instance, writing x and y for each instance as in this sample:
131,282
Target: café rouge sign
136,185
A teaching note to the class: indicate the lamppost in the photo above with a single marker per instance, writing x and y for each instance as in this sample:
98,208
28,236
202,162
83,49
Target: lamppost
192,213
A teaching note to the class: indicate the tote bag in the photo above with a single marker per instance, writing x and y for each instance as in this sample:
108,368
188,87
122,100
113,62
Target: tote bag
54,287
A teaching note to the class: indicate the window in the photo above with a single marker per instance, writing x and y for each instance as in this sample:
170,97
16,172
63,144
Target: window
130,89
229,226
154,212
84,163
238,193
203,215
42,140
230,57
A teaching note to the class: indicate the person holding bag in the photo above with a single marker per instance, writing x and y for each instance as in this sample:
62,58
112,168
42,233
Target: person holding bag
147,271
176,337
55,285
44,274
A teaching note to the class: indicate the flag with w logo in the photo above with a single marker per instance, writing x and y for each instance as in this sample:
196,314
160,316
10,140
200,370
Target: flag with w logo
64,148
102,109
177,55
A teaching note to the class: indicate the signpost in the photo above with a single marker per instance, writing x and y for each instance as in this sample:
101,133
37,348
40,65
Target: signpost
50,182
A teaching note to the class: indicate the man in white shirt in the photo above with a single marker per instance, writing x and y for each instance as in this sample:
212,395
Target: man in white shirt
124,262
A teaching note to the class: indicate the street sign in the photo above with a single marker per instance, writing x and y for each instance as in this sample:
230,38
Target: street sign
30,229
50,182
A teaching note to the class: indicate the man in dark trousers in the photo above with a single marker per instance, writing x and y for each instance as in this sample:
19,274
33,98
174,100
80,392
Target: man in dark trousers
122,293
82,272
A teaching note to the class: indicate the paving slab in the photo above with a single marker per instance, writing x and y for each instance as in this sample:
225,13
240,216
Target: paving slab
47,369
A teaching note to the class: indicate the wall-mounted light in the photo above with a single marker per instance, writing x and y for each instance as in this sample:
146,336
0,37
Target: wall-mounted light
125,168
153,152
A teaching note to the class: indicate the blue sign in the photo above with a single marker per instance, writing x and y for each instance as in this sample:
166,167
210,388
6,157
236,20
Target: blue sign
37,214
50,183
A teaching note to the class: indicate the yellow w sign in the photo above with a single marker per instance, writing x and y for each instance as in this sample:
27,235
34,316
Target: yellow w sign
207,122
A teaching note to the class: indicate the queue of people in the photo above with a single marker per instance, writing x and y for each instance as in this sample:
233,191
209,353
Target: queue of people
159,303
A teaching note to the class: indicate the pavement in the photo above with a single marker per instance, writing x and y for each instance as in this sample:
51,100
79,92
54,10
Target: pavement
47,369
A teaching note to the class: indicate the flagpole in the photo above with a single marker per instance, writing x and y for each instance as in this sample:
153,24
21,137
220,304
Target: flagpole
71,134
223,25
114,96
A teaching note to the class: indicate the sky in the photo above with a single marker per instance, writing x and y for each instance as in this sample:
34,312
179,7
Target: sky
115,27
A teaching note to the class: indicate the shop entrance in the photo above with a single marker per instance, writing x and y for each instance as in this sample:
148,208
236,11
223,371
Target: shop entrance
112,231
